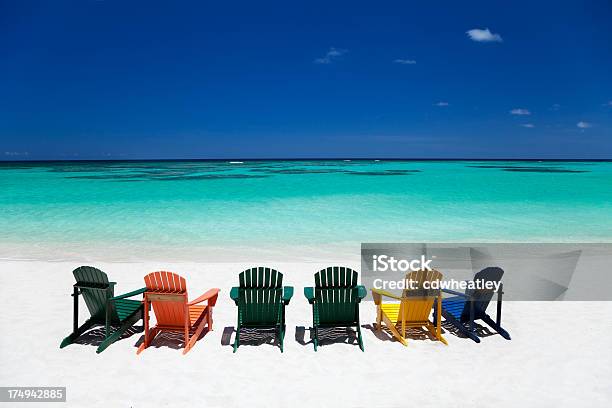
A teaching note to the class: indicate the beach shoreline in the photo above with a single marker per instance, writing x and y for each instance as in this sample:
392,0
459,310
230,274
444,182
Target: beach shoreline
110,252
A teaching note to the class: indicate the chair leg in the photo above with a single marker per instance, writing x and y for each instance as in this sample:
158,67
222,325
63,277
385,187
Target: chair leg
281,332
487,319
152,333
442,339
460,326
438,319
393,329
315,341
470,334
466,331
145,326
359,338
237,339
196,335
436,333
75,334
186,328
119,332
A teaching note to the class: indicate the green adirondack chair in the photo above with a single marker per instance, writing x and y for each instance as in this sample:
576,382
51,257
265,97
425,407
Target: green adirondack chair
104,307
335,300
261,300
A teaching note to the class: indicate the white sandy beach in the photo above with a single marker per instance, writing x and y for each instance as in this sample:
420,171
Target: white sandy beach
560,354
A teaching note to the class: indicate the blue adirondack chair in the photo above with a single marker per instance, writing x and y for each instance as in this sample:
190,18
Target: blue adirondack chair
462,309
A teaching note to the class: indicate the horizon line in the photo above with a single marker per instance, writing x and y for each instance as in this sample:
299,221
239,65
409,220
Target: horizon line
309,159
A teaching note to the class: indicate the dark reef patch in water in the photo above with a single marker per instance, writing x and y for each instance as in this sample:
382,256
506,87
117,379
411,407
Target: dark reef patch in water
105,177
212,177
299,171
383,173
530,169
497,166
7,167
543,170
167,177
140,168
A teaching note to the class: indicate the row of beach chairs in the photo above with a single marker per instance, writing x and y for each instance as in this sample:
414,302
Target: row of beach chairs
261,299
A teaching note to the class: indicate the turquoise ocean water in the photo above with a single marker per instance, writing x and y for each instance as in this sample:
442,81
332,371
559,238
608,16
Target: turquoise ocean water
64,209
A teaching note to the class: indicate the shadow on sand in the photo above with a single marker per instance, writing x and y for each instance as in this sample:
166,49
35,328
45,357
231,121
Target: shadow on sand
172,339
327,336
95,336
412,333
250,337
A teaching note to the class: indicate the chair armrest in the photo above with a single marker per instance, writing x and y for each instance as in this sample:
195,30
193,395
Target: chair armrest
287,294
129,294
361,292
235,294
377,294
453,292
95,286
210,295
310,295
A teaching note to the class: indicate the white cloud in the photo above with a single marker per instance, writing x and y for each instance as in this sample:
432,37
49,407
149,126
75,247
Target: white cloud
405,61
555,107
16,153
609,103
331,55
441,103
528,125
520,111
479,35
584,125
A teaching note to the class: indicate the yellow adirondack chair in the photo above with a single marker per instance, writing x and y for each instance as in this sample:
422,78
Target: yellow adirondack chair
414,307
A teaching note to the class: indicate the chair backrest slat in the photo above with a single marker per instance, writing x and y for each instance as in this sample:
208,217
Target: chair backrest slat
336,295
260,277
96,290
167,292
482,297
417,302
260,295
336,277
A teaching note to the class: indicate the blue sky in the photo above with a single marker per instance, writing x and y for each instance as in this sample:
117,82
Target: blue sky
478,79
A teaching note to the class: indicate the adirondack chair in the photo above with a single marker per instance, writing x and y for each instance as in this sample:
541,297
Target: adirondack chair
167,293
261,300
335,300
462,309
104,307
413,308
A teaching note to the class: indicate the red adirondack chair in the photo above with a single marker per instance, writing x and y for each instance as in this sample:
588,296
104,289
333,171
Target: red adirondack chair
167,293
